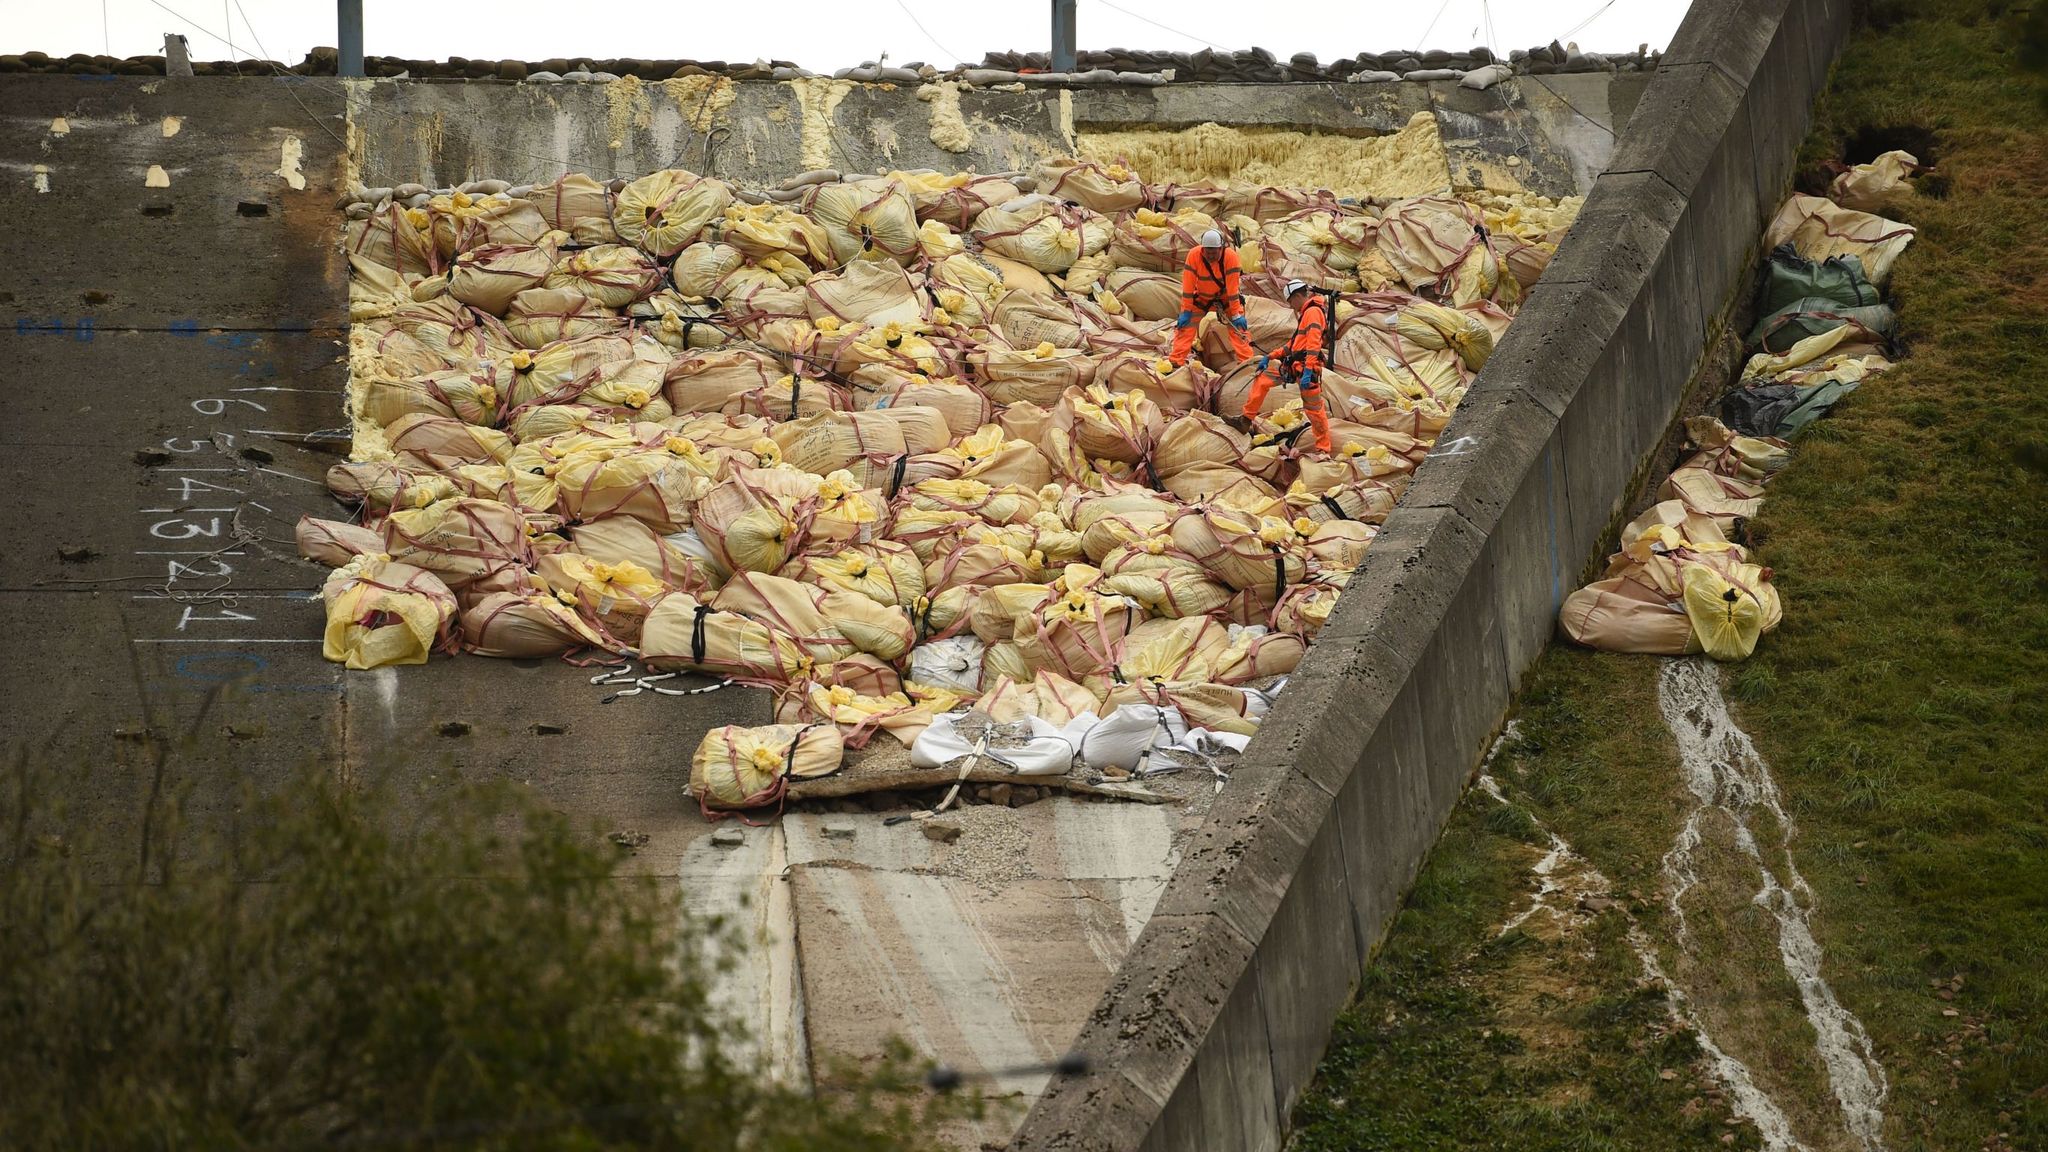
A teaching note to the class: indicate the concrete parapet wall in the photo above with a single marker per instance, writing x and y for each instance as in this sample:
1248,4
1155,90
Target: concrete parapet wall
1221,1012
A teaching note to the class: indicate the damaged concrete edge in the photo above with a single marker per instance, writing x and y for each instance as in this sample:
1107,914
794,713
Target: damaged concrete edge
1217,1019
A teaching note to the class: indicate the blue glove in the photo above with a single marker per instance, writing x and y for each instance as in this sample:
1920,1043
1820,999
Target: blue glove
1308,379
1240,323
1186,318
1263,357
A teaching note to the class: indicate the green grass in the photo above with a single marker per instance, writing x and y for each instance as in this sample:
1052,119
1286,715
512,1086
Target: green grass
1902,707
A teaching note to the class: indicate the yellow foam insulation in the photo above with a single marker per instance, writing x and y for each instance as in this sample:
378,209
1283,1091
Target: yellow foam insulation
818,98
702,99
369,443
626,105
949,127
1410,162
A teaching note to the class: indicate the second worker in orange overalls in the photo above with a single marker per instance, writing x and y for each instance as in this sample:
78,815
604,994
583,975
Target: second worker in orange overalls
1301,363
1209,283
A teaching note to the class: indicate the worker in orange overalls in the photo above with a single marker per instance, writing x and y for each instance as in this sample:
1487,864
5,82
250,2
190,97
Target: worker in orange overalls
1209,283
1302,363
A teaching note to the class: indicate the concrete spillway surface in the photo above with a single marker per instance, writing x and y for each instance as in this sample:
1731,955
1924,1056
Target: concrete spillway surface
177,311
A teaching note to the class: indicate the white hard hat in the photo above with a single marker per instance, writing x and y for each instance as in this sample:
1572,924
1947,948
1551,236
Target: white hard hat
1212,239
1294,286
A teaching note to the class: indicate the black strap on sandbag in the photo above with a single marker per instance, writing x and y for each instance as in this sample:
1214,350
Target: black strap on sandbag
698,645
1335,508
896,476
1279,573
796,391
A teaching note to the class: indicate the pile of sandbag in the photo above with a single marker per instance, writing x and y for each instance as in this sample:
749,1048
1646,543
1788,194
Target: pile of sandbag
1822,321
887,445
1678,584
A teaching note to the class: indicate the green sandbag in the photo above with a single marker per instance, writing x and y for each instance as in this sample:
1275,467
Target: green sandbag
1789,277
1780,409
1813,315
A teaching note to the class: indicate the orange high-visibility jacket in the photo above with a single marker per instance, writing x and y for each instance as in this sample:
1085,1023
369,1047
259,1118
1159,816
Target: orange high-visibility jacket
1207,283
1311,336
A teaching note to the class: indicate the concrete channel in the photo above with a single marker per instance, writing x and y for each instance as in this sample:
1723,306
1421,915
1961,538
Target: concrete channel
177,306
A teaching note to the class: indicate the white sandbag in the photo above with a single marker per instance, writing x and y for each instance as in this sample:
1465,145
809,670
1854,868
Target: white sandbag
1028,747
954,662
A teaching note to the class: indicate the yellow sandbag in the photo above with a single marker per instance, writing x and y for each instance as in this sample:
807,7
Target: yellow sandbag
867,292
1819,228
625,540
1253,654
1243,552
1173,650
825,625
472,395
885,571
1041,232
993,505
616,596
524,626
461,222
662,212
988,455
737,768
1047,695
380,484
1107,188
1037,375
1158,241
1147,295
334,542
578,205
761,231
737,381
682,634
1188,388
1723,498
759,517
986,561
463,541
1620,614
962,405
396,238
1305,608
1754,458
489,277
1028,319
863,443
1873,187
1109,426
1121,517
875,218
539,316
614,275
1177,586
1078,635
1726,620
651,485
382,613
1434,326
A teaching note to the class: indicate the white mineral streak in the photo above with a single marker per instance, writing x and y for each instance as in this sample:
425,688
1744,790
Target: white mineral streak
288,161
1725,773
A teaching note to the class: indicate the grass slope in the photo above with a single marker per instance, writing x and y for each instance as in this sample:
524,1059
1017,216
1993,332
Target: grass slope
1902,708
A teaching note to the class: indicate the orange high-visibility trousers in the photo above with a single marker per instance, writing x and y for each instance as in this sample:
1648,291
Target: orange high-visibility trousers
1184,341
1311,405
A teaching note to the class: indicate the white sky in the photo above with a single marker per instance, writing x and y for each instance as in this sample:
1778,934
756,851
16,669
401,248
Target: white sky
823,34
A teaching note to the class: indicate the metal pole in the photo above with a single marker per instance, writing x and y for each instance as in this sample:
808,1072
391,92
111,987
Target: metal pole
349,15
1063,35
